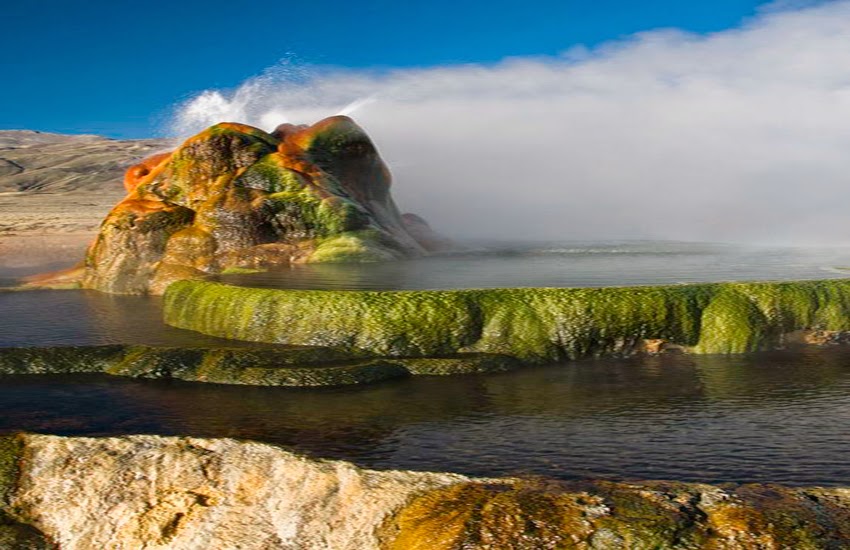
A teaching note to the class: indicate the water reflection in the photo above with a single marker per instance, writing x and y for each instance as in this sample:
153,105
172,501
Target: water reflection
769,417
87,317
565,265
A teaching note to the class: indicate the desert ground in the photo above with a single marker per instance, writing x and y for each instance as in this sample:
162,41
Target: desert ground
54,191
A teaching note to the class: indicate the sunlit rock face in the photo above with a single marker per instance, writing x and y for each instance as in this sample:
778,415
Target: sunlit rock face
189,493
152,492
236,197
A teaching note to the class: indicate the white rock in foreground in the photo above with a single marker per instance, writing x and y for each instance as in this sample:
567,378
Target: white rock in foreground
165,492
149,492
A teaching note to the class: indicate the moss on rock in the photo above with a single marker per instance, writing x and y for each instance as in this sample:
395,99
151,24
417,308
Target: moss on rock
19,536
534,325
299,367
11,454
354,246
59,360
532,514
14,535
733,323
466,363
302,368
235,197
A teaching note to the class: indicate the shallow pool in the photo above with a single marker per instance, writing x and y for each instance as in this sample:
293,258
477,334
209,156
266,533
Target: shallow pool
778,417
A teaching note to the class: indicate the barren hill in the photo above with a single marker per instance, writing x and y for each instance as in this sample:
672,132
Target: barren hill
56,188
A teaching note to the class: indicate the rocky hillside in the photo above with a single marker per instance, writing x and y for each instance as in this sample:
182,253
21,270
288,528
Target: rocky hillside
36,162
36,169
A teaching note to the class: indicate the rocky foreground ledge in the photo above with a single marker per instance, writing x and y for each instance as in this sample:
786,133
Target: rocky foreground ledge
165,492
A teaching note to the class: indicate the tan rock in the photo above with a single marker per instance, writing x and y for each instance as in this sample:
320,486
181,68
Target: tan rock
158,492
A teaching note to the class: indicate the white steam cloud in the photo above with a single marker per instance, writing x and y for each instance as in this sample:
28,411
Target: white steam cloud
742,135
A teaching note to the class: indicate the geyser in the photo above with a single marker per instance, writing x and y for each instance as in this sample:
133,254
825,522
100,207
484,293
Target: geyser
735,136
234,197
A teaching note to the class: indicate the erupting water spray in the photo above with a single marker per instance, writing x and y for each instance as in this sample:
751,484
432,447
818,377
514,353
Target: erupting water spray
665,135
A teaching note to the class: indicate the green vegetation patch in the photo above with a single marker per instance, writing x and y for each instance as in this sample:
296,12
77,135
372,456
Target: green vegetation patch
534,325
467,363
59,360
297,367
354,246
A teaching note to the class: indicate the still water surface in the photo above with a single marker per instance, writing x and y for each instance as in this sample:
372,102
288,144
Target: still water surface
568,265
779,417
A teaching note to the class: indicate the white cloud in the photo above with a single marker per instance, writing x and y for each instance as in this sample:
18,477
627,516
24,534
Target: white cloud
741,135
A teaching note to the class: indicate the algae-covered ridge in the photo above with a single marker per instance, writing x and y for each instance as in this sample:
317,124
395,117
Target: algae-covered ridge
296,367
534,325
355,337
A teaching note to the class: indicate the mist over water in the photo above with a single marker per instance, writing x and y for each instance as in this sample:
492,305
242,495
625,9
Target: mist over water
737,136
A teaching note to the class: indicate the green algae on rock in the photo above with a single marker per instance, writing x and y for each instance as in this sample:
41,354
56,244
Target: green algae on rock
237,198
604,515
185,492
297,367
535,325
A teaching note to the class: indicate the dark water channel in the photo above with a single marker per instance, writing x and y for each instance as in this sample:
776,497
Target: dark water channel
778,417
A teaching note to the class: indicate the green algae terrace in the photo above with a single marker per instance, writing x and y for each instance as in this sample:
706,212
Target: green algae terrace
535,325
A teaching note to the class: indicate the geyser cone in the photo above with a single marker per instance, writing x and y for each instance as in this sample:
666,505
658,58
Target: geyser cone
236,197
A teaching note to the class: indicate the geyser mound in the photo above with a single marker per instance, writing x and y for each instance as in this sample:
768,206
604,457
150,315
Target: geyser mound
234,197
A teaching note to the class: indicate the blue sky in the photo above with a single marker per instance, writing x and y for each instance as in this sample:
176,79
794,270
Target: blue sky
118,67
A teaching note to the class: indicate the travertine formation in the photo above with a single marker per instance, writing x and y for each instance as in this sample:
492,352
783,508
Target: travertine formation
189,493
170,493
534,325
236,198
